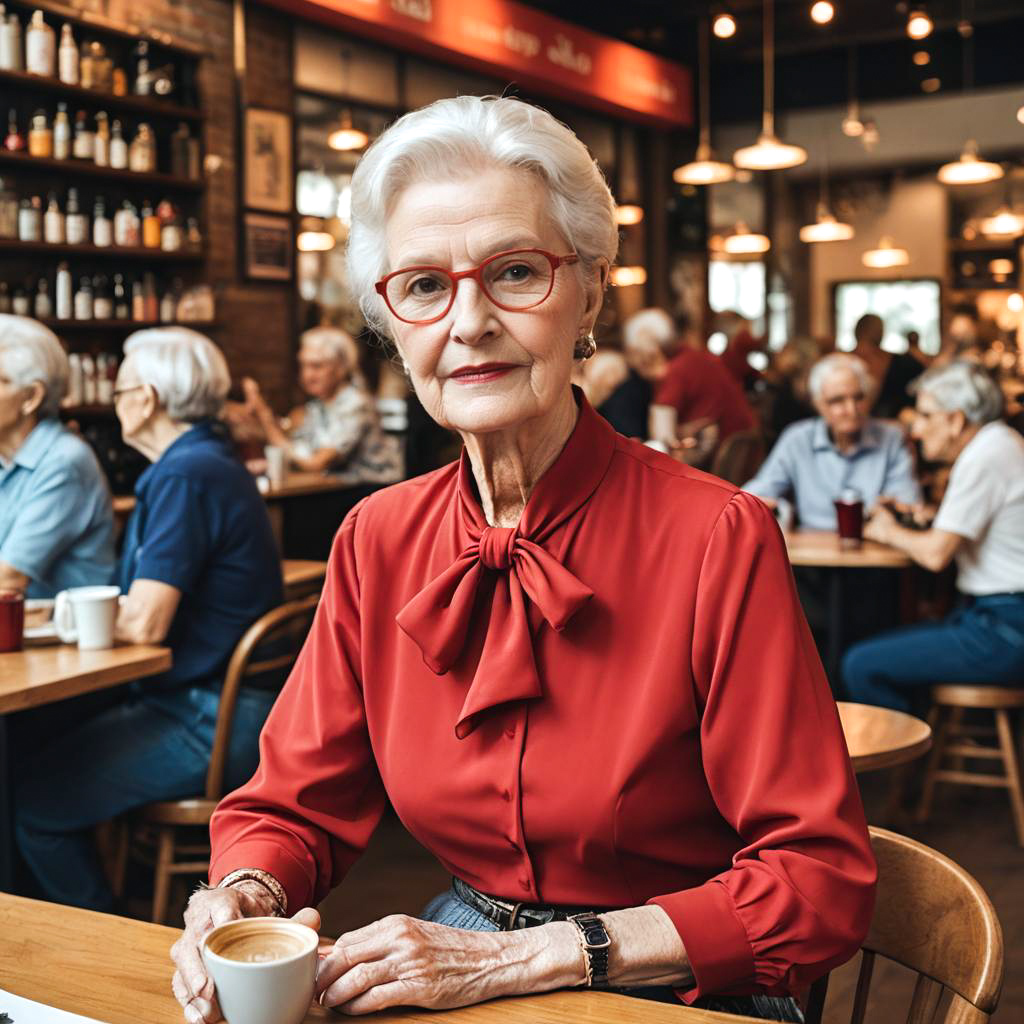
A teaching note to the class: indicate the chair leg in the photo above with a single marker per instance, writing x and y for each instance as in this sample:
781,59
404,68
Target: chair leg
1009,750
162,875
956,719
940,727
120,865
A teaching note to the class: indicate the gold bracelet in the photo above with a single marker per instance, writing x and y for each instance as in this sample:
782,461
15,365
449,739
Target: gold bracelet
264,878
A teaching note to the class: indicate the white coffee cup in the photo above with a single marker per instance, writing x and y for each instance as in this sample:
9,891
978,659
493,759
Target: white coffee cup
86,616
257,983
277,464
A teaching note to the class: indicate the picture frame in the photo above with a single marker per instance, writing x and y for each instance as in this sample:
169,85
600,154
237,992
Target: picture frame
268,245
267,160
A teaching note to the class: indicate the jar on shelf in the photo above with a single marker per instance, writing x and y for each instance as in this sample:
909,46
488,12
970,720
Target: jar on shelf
8,211
142,151
40,136
40,47
96,69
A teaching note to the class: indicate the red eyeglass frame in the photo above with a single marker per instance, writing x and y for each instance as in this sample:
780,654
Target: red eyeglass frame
455,276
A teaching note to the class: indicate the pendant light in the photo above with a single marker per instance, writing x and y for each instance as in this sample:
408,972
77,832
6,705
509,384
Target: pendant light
744,242
704,169
347,138
825,227
627,214
887,255
769,153
1004,223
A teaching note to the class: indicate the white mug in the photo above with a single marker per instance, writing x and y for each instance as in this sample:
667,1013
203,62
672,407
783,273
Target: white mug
258,988
277,464
86,616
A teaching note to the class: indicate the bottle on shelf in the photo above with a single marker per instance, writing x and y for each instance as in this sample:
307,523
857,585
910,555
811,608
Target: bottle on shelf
151,228
140,68
119,82
14,140
168,307
74,395
83,147
102,299
106,371
142,151
67,56
193,236
64,301
40,47
83,301
96,69
102,228
122,302
12,58
40,136
179,151
8,211
5,297
171,236
101,140
20,304
88,380
61,133
149,295
138,301
126,226
30,220
42,307
54,230
76,223
118,147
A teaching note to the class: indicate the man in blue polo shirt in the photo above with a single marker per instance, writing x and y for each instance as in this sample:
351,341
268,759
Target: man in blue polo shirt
199,566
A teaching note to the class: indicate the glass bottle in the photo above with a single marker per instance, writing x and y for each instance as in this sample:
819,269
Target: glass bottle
67,57
42,306
64,303
126,226
150,297
138,302
140,68
102,299
12,57
122,303
61,133
8,211
118,147
168,307
84,145
102,229
40,47
142,151
76,224
30,220
96,68
54,232
5,297
20,304
193,236
14,141
40,136
83,300
88,373
101,140
150,226
119,82
179,151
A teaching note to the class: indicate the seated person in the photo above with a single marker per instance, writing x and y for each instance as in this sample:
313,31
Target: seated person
892,371
698,402
56,520
814,460
628,407
199,566
337,429
980,523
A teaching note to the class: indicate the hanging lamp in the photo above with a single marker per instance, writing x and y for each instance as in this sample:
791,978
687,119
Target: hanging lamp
885,256
826,228
769,153
1004,223
744,242
345,137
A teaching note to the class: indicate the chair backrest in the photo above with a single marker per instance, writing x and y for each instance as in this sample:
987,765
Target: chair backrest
933,917
268,648
739,456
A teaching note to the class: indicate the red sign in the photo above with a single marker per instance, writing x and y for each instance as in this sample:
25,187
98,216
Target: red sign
535,49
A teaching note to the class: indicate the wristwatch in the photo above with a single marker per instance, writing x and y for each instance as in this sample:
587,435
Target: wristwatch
596,945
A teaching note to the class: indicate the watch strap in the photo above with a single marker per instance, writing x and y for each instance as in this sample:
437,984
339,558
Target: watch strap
596,944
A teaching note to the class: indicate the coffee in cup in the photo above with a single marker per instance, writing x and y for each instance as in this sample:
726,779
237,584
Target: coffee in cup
12,620
86,616
263,968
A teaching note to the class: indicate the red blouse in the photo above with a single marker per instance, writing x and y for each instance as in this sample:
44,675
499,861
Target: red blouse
618,702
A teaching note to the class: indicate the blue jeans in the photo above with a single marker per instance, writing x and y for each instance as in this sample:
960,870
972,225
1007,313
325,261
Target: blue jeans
142,749
981,642
449,909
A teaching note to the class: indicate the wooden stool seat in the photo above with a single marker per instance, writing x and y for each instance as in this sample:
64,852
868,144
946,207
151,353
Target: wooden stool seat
960,742
177,812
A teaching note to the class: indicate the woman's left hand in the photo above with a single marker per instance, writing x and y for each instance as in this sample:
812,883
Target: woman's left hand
879,527
403,961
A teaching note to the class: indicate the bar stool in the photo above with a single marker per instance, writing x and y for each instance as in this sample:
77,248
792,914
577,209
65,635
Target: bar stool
954,739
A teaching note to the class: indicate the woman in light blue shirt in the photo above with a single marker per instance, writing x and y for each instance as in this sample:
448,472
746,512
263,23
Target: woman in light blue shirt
56,519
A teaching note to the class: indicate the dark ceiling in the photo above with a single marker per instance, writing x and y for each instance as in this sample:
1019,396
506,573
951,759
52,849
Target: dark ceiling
814,61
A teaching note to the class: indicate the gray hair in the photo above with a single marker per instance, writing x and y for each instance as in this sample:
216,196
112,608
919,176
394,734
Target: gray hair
649,326
963,386
186,370
452,138
31,352
836,362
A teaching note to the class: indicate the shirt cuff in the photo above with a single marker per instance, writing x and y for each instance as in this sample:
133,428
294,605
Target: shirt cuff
269,857
714,938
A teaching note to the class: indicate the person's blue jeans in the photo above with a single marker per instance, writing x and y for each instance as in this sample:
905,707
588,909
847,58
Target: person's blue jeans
981,642
142,749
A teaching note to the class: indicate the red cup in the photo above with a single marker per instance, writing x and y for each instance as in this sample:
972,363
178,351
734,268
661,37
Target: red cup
12,620
850,522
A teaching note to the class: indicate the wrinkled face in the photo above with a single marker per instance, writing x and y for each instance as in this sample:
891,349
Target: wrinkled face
937,430
320,373
12,400
963,330
842,403
132,400
480,368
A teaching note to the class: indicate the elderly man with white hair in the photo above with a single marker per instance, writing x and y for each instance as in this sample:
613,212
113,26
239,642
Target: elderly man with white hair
56,521
980,524
199,566
842,448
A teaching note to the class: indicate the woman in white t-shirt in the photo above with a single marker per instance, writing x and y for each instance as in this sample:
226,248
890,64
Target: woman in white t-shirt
980,523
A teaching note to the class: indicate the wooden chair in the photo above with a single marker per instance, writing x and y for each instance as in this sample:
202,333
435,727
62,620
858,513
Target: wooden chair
268,649
739,456
933,917
302,577
957,741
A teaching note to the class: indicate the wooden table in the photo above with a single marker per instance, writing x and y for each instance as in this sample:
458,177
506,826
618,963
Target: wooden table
119,971
881,738
302,576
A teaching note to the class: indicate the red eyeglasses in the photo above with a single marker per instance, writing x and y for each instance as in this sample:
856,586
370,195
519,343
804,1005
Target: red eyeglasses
515,281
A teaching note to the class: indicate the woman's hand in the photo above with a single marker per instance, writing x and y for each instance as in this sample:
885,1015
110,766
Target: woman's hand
880,526
402,961
207,908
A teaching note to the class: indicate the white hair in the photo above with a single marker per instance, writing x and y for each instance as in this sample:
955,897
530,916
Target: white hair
838,362
336,344
452,139
647,327
963,386
31,352
186,370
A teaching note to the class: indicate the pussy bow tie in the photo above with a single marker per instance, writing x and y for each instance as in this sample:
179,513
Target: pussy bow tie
438,618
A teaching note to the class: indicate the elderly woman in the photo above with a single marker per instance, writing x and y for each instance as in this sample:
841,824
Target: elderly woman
56,521
576,667
337,428
199,566
980,524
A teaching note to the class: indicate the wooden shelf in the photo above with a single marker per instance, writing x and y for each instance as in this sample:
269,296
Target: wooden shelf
983,244
81,168
113,252
145,105
115,326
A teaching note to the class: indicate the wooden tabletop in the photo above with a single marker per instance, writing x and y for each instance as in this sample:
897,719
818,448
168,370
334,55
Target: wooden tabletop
39,675
821,548
302,576
881,738
119,971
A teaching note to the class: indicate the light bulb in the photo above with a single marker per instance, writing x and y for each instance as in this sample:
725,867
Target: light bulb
969,169
724,26
919,25
315,241
628,213
623,277
1015,302
887,255
769,154
822,12
922,57
745,242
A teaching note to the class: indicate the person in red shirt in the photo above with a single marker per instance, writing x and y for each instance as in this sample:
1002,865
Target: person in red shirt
697,399
576,668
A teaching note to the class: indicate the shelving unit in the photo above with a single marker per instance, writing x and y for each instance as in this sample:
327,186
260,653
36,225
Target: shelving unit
108,252
135,179
117,326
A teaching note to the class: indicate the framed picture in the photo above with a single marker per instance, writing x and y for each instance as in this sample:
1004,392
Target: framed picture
268,243
268,160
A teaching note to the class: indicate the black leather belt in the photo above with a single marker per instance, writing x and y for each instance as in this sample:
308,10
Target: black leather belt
509,916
